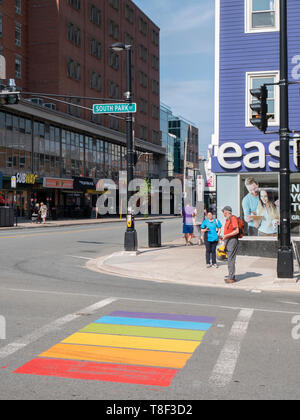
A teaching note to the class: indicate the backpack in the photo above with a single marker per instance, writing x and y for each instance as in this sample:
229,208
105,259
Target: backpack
241,225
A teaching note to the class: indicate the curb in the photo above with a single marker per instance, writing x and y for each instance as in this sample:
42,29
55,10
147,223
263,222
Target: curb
100,265
104,221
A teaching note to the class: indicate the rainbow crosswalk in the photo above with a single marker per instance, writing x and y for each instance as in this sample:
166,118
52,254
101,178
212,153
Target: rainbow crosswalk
126,347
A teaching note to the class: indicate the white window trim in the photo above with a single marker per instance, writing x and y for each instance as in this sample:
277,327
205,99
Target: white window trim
249,76
248,19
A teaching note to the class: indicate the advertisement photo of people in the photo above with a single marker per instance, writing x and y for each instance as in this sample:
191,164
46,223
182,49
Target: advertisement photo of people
260,206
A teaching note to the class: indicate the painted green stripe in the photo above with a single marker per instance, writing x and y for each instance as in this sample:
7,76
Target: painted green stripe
144,331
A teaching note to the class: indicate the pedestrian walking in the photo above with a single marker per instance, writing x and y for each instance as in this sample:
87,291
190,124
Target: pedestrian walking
212,229
188,212
231,232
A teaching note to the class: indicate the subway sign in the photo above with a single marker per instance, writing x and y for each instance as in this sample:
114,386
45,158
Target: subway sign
24,178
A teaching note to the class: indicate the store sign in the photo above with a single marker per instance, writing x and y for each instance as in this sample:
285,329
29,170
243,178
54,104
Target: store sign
83,184
23,178
58,183
200,188
251,156
13,182
295,202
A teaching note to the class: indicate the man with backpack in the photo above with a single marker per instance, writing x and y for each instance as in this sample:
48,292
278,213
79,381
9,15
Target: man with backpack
233,230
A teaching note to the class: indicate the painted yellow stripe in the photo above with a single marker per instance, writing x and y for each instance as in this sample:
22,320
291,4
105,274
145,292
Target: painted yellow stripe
115,355
107,340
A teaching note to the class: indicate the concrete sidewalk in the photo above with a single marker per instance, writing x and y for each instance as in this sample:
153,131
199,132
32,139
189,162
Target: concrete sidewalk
63,223
175,263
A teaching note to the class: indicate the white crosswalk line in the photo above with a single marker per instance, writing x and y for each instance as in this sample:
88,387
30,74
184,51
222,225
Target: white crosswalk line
226,363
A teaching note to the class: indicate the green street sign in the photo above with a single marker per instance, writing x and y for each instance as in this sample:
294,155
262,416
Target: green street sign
114,108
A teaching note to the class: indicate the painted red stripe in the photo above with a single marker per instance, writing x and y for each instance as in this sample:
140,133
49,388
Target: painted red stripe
141,375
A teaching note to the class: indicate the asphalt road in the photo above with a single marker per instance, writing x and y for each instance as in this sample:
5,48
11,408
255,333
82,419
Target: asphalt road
249,351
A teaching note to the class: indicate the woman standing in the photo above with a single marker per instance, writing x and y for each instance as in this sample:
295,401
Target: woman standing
188,212
268,214
43,211
212,229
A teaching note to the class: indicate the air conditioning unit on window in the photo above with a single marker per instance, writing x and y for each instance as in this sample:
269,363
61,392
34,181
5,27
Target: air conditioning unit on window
36,101
50,105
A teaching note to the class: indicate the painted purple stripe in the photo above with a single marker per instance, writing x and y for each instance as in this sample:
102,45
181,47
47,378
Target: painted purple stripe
169,317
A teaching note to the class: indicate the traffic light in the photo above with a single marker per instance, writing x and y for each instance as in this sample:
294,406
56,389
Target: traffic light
9,95
260,107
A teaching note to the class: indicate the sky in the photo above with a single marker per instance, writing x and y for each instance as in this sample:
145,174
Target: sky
186,59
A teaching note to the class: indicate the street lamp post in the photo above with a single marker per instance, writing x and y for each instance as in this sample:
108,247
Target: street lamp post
285,265
130,240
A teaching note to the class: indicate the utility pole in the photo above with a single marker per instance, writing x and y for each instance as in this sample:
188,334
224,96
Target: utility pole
285,263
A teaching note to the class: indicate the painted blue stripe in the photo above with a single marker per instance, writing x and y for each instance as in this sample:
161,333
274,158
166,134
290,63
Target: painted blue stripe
154,323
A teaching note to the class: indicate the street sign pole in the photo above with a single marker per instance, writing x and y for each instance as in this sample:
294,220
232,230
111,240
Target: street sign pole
285,263
130,240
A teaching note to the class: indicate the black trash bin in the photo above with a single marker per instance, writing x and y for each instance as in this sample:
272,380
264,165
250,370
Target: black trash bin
6,216
154,234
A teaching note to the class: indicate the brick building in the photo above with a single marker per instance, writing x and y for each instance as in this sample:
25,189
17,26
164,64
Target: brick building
62,47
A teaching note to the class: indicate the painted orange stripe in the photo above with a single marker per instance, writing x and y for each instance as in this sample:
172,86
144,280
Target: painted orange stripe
116,355
92,371
107,340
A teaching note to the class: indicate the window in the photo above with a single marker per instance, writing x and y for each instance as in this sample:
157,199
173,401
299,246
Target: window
143,79
143,53
73,34
114,60
113,29
18,67
155,112
129,13
143,26
143,105
73,69
254,81
74,3
155,62
95,15
261,15
155,86
95,48
114,4
18,7
95,81
18,30
155,37
128,39
143,132
114,90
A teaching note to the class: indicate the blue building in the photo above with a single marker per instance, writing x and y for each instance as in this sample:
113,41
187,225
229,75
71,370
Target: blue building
248,56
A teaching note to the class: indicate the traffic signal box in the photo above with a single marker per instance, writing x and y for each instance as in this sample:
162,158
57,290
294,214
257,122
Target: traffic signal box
260,107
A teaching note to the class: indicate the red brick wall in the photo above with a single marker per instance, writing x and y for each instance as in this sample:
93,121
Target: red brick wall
8,40
49,48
